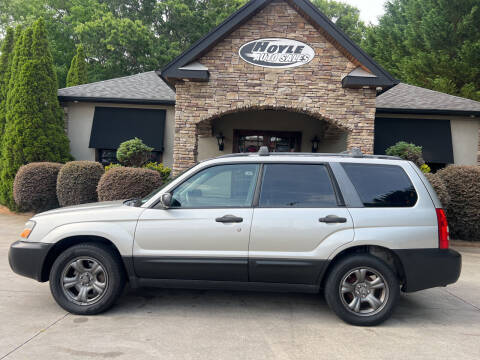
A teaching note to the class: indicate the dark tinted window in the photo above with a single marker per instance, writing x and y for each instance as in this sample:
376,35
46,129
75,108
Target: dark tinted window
382,185
296,185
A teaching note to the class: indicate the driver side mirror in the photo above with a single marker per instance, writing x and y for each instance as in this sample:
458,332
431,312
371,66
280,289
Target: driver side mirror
166,200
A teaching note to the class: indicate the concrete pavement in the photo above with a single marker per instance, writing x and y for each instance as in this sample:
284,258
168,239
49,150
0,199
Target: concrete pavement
442,323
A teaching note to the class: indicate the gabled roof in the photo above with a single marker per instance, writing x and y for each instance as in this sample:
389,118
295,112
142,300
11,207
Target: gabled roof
143,88
176,68
404,98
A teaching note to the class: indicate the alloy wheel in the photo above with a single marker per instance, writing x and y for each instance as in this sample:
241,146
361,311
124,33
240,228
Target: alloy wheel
84,280
364,291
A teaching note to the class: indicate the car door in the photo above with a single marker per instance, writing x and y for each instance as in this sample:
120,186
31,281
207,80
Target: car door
298,222
204,234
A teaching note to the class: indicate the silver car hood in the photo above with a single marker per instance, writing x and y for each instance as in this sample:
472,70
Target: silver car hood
104,205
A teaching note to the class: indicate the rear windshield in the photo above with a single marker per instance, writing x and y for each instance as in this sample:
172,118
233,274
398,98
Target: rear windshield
381,185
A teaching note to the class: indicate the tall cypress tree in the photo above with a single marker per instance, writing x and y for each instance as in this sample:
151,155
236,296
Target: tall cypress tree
5,66
77,75
35,126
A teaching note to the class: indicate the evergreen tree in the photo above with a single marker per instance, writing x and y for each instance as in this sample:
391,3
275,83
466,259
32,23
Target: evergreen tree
77,74
34,128
5,65
430,43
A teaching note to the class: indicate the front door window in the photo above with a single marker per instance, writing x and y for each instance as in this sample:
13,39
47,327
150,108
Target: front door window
276,141
220,186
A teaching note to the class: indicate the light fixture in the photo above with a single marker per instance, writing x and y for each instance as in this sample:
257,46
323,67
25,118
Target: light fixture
220,141
315,142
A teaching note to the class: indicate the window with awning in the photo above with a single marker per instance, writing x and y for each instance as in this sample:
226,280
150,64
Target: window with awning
112,126
434,136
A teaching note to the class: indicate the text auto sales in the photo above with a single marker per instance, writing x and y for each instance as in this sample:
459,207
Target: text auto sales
263,51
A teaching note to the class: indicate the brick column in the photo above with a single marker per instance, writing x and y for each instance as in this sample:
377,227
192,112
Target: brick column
184,146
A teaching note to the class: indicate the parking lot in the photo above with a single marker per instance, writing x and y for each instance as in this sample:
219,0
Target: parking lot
440,323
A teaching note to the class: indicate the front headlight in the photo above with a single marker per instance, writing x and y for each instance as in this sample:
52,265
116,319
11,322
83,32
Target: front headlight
29,225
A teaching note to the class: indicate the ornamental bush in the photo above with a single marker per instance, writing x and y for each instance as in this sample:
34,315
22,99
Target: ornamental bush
463,210
133,153
112,166
77,182
162,169
410,152
440,188
35,186
126,183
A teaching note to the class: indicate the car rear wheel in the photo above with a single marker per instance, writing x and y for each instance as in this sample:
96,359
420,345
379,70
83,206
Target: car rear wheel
86,279
362,290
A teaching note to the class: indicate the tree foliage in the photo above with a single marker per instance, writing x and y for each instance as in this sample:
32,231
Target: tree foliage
430,43
345,16
120,37
6,58
77,75
34,129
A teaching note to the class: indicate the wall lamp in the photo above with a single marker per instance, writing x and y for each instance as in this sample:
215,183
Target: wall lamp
220,141
315,142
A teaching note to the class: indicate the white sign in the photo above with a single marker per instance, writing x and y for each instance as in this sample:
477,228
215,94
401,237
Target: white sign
276,53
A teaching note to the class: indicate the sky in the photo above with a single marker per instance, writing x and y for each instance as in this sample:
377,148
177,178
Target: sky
370,10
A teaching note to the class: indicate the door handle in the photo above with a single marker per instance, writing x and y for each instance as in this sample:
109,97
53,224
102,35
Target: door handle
332,219
229,219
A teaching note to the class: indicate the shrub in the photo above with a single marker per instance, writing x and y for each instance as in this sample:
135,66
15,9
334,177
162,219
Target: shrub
77,182
463,210
133,153
112,166
410,152
35,186
162,169
124,183
440,188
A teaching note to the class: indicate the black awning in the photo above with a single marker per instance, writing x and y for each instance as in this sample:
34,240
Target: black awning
112,126
434,136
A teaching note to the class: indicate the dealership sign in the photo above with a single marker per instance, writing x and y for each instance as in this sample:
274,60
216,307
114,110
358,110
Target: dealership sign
276,53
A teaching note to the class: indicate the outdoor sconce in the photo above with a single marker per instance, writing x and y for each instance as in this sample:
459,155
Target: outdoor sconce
220,141
315,142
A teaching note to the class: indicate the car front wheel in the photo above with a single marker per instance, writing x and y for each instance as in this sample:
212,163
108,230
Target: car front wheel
86,279
362,290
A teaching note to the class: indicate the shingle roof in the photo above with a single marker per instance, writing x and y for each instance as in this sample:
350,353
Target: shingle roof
409,97
145,87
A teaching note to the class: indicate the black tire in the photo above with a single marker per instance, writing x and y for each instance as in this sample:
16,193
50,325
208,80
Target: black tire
112,273
345,272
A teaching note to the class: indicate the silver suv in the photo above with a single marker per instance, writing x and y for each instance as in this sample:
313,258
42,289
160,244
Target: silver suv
361,228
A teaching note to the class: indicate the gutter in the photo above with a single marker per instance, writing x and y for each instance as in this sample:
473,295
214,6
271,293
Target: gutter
115,100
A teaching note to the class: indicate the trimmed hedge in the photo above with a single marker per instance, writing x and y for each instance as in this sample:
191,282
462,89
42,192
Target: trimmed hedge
77,182
35,186
125,182
463,210
440,188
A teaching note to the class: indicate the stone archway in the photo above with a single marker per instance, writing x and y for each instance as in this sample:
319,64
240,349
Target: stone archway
189,132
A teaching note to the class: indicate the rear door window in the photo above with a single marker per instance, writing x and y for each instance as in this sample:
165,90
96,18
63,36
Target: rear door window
297,186
382,185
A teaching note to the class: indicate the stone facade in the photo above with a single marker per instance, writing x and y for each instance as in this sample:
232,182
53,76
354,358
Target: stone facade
234,85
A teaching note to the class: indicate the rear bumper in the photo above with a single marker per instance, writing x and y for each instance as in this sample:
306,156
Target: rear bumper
27,258
428,268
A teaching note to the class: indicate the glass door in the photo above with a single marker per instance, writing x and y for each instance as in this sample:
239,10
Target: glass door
276,141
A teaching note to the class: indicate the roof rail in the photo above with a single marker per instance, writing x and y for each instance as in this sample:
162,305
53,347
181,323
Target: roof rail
353,153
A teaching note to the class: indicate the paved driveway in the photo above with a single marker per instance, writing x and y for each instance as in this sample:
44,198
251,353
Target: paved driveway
185,324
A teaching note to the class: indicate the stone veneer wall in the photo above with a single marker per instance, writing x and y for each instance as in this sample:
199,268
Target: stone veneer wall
235,85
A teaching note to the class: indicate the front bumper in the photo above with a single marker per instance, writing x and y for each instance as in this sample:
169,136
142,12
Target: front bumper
428,268
27,258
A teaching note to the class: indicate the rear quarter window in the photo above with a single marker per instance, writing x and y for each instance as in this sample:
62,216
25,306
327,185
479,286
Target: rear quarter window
382,185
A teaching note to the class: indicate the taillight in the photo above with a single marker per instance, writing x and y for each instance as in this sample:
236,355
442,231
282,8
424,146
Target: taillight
442,229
